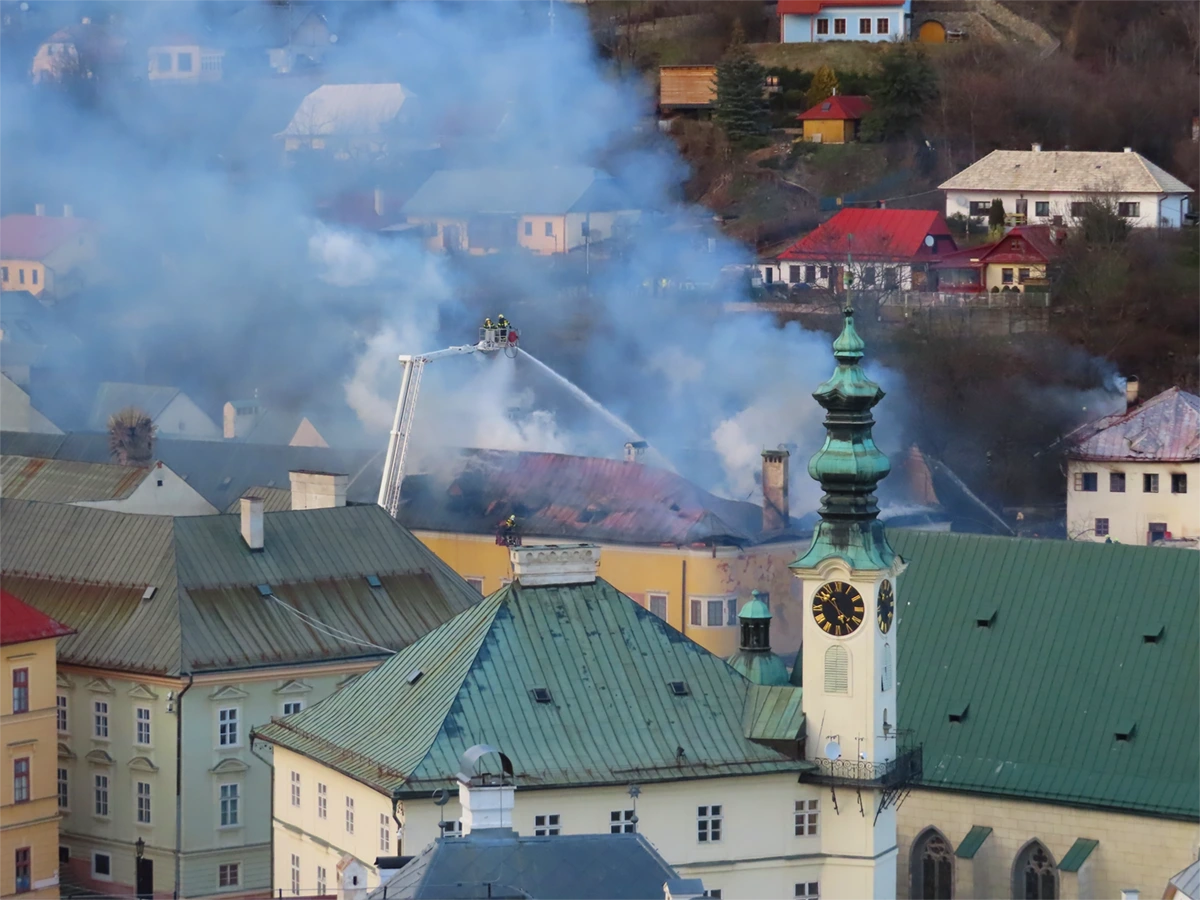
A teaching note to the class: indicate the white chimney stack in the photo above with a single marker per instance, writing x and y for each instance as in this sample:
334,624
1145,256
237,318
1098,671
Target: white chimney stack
486,799
39,209
252,523
1128,149
317,490
635,451
1130,894
353,876
68,211
557,564
1036,148
683,889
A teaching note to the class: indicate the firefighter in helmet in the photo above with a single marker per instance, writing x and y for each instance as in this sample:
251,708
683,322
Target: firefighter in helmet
487,323
501,322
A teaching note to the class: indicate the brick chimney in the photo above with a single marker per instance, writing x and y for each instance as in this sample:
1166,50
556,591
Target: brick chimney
252,523
317,490
556,564
776,514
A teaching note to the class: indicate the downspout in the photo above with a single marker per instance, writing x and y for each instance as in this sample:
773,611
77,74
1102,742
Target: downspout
179,783
271,765
683,603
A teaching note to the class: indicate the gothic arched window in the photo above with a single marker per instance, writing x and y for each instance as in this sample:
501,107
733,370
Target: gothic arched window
837,671
932,867
1034,874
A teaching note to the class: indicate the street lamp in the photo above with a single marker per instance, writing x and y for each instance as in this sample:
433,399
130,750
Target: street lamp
140,847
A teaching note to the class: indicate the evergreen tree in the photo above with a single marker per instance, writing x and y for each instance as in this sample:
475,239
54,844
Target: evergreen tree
905,86
996,215
741,108
824,84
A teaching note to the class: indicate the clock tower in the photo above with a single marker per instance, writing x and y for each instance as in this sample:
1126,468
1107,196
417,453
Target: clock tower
848,658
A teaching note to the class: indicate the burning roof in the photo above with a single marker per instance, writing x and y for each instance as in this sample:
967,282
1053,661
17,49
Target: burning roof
1165,428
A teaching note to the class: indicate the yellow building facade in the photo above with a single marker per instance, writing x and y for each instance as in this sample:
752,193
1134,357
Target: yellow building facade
28,792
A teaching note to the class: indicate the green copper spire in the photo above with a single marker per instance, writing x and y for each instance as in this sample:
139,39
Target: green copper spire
849,465
754,659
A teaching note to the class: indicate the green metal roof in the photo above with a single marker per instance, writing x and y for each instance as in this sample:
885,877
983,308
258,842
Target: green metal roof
1061,667
759,666
973,841
1077,855
773,713
755,608
612,716
65,481
89,568
274,499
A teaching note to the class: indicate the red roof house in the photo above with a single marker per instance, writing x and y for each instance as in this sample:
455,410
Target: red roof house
36,237
838,107
1020,257
835,120
806,21
20,622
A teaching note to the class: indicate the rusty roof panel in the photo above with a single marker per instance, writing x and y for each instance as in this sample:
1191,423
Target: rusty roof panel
1165,428
65,481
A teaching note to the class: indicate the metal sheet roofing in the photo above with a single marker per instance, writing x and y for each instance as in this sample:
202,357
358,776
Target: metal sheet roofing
347,109
773,713
1165,428
1050,679
884,234
64,481
551,190
612,719
838,107
113,396
812,7
20,622
36,237
1068,171
1078,854
973,841
89,569
1187,882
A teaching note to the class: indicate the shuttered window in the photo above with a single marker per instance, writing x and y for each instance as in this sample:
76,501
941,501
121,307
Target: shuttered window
837,671
885,672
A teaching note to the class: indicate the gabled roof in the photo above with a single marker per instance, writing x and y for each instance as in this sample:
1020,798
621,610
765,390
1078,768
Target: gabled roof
838,107
1164,428
812,7
90,568
1072,171
1061,667
347,109
20,622
62,481
551,190
1029,244
113,396
497,862
611,716
1185,883
36,237
883,234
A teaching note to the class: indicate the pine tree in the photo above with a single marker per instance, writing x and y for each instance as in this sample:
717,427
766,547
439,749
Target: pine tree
905,85
741,107
824,85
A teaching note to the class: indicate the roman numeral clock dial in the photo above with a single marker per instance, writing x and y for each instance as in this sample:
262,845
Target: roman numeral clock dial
887,606
838,608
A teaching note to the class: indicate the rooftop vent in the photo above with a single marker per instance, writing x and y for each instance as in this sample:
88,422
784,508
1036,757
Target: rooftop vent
1153,634
1125,731
679,688
414,676
149,592
264,590
986,617
958,711
541,695
373,581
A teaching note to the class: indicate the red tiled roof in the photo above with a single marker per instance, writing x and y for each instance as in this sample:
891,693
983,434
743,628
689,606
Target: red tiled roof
20,622
1164,428
812,7
36,237
884,234
1023,244
838,107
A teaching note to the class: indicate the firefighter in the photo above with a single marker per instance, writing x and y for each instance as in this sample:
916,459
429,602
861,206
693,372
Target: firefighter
501,322
487,324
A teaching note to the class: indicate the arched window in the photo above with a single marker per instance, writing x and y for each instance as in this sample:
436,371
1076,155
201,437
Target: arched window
932,867
1034,874
837,671
885,670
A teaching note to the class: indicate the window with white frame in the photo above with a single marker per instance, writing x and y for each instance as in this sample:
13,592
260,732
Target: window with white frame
230,795
808,817
143,803
808,890
322,880
452,829
102,866
708,824
322,801
64,789
385,834
548,824
227,726
295,874
695,613
622,821
229,875
100,720
142,719
60,713
657,604
477,583
349,815
21,790
882,26
291,707
101,805
716,613
837,670
295,789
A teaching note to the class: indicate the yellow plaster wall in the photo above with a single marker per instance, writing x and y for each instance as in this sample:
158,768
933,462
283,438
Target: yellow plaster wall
539,241
830,131
28,267
994,276
1130,513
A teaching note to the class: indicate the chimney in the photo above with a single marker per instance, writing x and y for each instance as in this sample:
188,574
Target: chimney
635,451
486,799
1128,149
39,209
556,564
240,417
317,490
68,211
683,889
252,523
1036,148
353,877
1130,894
776,515
378,201
1131,391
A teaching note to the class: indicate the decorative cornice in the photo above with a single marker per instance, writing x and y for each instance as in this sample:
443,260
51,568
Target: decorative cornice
142,692
100,686
142,764
228,692
293,687
99,758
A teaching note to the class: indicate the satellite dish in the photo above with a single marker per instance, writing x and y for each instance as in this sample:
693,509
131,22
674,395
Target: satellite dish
833,750
929,241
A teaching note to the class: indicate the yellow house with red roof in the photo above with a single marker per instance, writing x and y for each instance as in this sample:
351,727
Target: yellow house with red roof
45,254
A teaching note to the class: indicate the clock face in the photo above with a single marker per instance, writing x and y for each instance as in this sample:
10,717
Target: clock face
887,606
838,608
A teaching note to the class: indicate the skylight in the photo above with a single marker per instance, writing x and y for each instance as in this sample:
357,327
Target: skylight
414,676
679,688
264,590
149,592
373,581
541,695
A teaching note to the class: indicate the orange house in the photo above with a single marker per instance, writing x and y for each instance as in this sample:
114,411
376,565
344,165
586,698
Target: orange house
835,120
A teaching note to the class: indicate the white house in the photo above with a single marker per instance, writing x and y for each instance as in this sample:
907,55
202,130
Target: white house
812,21
1051,187
151,489
18,414
184,59
349,119
173,412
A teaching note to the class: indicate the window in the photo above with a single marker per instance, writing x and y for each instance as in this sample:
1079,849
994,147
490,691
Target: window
528,229
229,875
869,276
824,273
837,671
349,815
101,805
657,604
885,669
1158,531
60,710
385,834
1149,484
1077,209
1178,483
932,867
807,816
980,207
810,274
476,583
21,275
143,802
891,278
291,707
227,727
708,824
210,64
184,61
64,789
695,618
322,802
1035,874
882,26
549,229
811,890
321,880
20,690
731,611
143,726
1041,207
1085,481
102,865
793,274
23,880
547,825
21,780
1129,210
864,26
3,273
163,62
230,797
295,789
100,719
716,613
1006,276
1022,275
1116,482
839,26
295,874
452,829
1101,527
713,893
34,273
822,26
622,821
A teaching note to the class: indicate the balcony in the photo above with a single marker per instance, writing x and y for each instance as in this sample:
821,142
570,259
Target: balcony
894,774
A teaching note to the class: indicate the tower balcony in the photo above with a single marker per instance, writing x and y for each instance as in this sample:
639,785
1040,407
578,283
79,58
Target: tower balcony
893,774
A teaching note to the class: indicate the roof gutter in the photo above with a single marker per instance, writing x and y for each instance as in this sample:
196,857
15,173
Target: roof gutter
179,783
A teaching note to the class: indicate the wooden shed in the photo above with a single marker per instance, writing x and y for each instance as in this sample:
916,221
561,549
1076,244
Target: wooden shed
687,88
